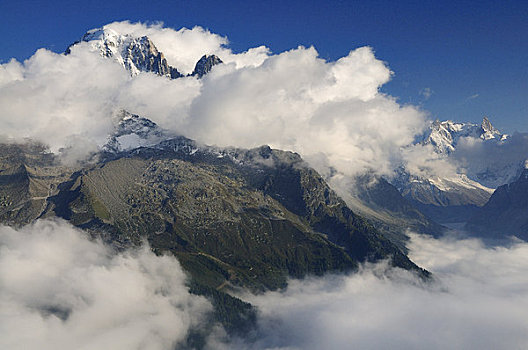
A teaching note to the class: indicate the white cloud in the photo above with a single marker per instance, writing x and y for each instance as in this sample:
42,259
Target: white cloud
68,101
11,71
59,290
492,163
184,47
293,100
477,302
426,93
297,101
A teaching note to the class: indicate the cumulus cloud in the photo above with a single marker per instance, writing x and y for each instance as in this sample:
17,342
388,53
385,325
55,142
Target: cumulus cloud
478,301
293,100
297,101
69,101
59,290
422,160
184,47
332,113
426,93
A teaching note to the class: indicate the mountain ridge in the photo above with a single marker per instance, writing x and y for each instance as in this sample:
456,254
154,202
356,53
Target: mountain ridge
456,197
505,213
289,192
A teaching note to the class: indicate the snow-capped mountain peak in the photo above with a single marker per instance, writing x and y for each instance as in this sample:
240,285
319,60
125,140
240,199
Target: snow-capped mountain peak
489,131
444,135
138,53
133,131
135,53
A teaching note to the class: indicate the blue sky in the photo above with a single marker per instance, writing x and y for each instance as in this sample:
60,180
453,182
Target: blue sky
458,60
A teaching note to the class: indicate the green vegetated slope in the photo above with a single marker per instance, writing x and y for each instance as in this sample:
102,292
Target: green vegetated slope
223,231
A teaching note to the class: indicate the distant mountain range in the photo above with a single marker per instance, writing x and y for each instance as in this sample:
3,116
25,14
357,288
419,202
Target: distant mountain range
457,197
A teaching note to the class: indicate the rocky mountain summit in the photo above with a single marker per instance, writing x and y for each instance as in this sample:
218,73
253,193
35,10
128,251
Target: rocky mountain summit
133,131
205,64
139,54
136,54
233,217
445,135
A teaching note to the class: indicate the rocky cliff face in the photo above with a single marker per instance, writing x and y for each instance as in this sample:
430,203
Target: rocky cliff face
141,55
29,175
135,54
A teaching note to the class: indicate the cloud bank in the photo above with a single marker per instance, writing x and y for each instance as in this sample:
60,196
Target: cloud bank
59,290
478,301
184,47
292,100
331,112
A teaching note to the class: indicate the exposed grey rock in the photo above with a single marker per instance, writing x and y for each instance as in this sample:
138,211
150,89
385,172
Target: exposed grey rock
143,55
139,54
136,54
205,64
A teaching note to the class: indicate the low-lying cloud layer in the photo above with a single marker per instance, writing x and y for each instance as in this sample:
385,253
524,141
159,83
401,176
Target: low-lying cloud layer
59,290
479,301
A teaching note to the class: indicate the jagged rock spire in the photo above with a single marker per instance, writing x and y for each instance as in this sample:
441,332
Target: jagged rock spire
488,130
205,64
